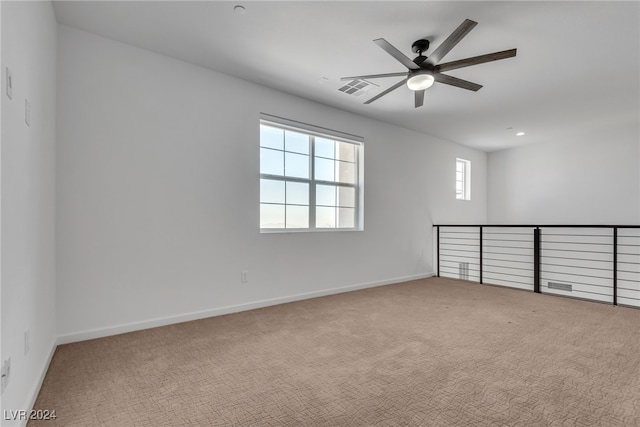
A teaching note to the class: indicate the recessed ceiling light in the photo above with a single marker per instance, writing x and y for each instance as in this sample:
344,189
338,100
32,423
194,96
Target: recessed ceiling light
519,133
240,10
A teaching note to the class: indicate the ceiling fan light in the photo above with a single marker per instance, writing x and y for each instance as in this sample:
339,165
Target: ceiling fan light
420,81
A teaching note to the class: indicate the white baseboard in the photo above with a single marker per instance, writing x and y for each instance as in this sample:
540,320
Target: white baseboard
163,321
35,390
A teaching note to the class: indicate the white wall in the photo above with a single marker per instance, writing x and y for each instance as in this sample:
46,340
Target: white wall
28,202
158,189
590,178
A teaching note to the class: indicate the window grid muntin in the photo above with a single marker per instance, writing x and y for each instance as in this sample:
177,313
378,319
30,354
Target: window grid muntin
313,182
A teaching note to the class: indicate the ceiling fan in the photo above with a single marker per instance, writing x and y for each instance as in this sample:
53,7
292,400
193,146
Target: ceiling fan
424,71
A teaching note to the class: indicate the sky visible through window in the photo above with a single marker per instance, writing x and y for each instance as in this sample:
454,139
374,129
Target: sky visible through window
306,178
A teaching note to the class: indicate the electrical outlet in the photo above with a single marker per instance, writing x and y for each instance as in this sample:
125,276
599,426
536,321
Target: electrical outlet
244,276
26,342
9,84
6,374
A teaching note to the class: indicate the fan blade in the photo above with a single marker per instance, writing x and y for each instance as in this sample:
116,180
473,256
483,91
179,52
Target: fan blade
419,98
392,88
454,81
375,76
388,47
475,60
453,39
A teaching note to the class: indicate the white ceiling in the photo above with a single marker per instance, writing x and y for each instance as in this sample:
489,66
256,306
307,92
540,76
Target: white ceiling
577,68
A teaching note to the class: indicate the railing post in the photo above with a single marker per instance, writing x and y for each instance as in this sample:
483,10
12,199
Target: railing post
480,254
615,265
438,248
536,260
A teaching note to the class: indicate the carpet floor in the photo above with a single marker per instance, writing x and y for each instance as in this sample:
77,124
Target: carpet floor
432,352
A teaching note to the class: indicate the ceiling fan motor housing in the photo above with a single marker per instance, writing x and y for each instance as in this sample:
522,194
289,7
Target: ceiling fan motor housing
420,46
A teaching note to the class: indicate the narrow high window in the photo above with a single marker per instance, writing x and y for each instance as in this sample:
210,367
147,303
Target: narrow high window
463,179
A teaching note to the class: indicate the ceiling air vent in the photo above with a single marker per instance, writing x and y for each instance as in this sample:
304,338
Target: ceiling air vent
560,286
356,87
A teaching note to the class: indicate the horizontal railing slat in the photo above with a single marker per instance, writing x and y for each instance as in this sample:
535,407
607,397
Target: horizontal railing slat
579,271
596,256
631,259
507,244
509,284
629,284
575,247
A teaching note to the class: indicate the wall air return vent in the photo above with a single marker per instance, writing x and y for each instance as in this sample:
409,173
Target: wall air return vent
560,286
356,87
463,271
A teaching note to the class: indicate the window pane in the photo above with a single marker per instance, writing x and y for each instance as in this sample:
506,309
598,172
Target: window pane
325,217
297,216
325,169
326,195
271,191
346,172
347,197
271,161
297,193
346,151
271,137
296,142
346,218
325,148
297,165
271,216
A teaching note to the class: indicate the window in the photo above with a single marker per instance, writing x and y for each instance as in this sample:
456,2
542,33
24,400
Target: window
309,178
463,179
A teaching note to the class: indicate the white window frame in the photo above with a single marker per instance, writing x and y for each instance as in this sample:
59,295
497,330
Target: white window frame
463,179
314,132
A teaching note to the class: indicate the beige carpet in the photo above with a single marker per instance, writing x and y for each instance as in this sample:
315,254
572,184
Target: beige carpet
433,352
